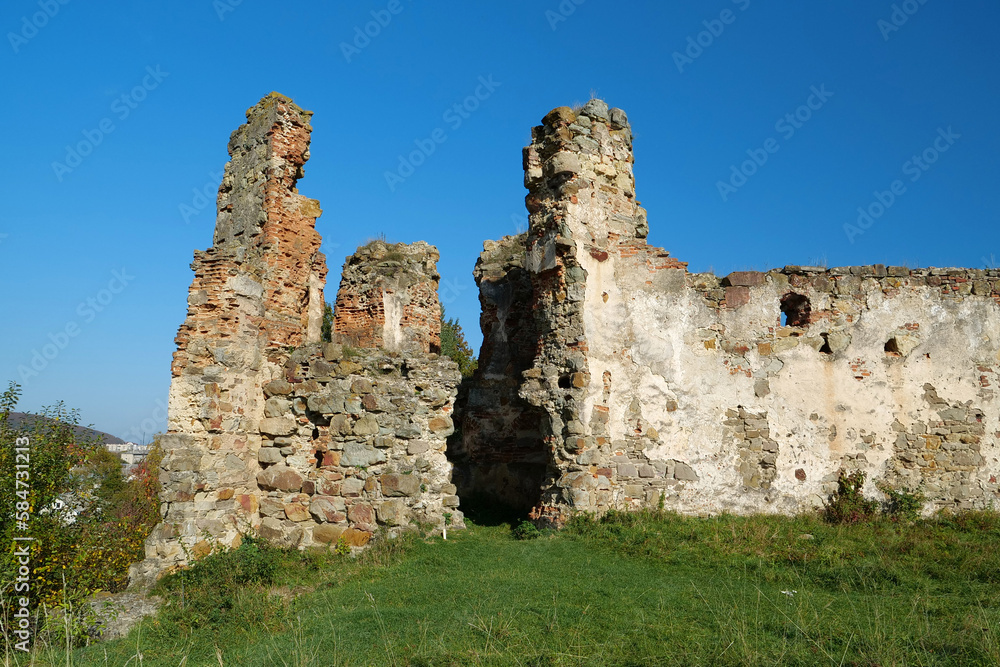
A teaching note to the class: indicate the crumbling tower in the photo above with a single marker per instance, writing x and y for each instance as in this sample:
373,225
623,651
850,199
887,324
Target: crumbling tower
388,298
257,292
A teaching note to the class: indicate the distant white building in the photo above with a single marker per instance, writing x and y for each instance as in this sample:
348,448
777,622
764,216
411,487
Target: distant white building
130,453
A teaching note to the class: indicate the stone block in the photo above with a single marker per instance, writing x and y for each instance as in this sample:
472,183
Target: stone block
277,426
392,513
325,509
326,404
400,485
414,447
296,512
333,352
684,472
270,455
744,279
360,455
277,388
352,487
327,533
367,425
737,297
277,407
271,529
279,478
361,513
356,538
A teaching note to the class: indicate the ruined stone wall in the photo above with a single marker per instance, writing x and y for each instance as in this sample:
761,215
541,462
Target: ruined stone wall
354,440
267,431
256,291
742,394
388,298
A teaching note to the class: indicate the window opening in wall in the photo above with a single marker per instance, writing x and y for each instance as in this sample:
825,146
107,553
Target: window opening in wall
826,349
795,310
892,347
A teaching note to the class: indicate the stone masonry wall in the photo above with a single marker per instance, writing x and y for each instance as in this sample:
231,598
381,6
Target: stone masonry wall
388,298
746,393
354,440
257,291
269,431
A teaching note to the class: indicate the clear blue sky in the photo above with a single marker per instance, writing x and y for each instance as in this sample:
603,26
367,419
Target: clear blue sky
189,70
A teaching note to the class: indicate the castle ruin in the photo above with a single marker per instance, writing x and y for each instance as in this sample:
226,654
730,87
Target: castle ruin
609,377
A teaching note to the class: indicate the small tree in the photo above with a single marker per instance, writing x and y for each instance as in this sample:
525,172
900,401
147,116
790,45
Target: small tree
327,322
454,345
848,504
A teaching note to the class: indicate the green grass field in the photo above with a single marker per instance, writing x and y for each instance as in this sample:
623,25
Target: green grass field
640,589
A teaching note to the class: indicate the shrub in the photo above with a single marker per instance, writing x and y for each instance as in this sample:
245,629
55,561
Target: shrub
902,504
526,531
848,504
88,521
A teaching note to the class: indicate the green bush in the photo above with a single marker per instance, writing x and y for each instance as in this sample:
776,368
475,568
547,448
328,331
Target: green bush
848,504
526,531
88,522
902,504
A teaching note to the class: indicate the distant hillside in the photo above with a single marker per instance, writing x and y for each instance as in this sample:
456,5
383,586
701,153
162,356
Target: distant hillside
22,420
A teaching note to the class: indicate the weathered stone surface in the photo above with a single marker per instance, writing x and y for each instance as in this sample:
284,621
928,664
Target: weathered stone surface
277,426
327,533
270,455
325,509
392,513
361,456
280,478
388,298
257,292
356,538
400,485
296,512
